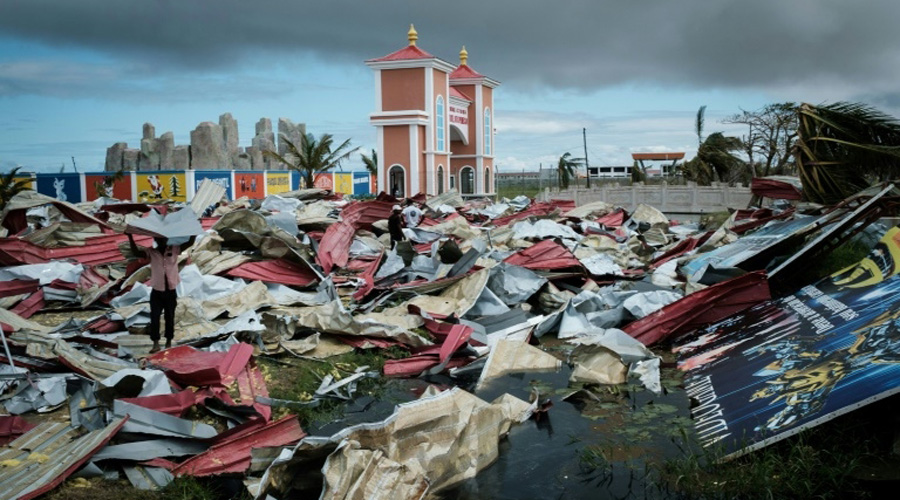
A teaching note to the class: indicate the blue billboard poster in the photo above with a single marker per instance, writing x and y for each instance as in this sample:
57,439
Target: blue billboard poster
295,180
796,362
63,187
221,177
360,183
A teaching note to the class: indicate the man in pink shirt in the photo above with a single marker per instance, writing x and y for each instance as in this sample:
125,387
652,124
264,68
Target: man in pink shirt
163,280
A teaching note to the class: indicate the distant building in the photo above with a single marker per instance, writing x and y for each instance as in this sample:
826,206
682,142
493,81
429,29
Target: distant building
617,172
665,170
434,123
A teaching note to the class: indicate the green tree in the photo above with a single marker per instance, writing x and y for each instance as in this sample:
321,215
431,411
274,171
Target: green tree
10,187
371,162
313,156
566,168
843,148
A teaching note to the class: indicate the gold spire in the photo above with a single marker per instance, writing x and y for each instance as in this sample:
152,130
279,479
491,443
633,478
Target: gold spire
463,56
412,35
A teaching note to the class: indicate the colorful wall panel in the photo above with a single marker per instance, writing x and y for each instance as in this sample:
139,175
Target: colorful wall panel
324,181
343,183
221,177
361,183
278,182
63,187
94,184
161,185
249,184
28,178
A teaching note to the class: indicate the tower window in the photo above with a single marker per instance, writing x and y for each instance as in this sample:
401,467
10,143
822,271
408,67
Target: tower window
487,131
439,122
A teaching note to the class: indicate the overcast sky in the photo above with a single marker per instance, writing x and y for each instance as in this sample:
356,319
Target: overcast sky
79,75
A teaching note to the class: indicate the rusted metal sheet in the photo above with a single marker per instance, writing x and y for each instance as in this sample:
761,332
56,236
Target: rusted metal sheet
275,271
684,246
232,455
546,255
702,307
45,456
18,287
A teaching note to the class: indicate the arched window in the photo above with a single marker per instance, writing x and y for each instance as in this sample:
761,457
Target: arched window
439,122
487,180
397,181
467,180
440,179
487,131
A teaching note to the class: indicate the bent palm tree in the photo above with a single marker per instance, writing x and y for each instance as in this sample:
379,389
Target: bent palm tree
10,187
371,162
714,160
566,168
312,156
843,148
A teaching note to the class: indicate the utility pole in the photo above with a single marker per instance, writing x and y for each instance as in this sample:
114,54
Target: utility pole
586,164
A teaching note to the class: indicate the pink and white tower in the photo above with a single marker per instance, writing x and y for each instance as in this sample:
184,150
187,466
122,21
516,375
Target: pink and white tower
434,124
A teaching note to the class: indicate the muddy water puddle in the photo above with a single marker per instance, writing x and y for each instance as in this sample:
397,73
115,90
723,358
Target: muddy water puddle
594,442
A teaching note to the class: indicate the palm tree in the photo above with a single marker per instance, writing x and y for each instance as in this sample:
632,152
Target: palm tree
566,168
371,162
10,187
843,148
313,155
698,124
714,160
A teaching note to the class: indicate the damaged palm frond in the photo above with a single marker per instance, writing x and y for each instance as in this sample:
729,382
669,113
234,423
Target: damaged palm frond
843,148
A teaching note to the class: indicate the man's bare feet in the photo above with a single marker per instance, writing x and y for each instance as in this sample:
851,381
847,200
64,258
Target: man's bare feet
155,347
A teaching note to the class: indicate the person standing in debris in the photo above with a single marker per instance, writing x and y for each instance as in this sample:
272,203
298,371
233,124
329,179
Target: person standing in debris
163,280
412,214
395,226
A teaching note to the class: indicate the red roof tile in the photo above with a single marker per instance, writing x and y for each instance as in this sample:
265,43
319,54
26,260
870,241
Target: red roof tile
464,71
406,53
456,93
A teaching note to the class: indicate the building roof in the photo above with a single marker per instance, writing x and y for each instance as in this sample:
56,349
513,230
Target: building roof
459,95
464,71
406,53
657,156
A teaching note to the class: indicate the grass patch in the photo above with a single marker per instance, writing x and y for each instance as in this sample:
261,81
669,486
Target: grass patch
819,463
296,379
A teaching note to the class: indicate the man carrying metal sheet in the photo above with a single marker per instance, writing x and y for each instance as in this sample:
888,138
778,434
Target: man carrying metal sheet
163,280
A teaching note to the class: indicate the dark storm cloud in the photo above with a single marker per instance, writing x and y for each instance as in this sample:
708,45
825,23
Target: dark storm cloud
580,44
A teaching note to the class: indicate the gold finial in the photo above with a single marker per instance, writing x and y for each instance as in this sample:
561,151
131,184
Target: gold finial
463,56
412,35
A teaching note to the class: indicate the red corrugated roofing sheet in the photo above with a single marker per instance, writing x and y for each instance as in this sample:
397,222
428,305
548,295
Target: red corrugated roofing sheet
18,287
702,307
96,250
546,254
334,248
233,454
31,305
778,190
657,156
188,366
275,271
172,404
12,427
536,210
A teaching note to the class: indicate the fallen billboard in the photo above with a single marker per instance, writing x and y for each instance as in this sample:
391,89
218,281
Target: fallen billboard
796,362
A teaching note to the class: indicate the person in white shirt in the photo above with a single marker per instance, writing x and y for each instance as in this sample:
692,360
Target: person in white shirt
412,214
